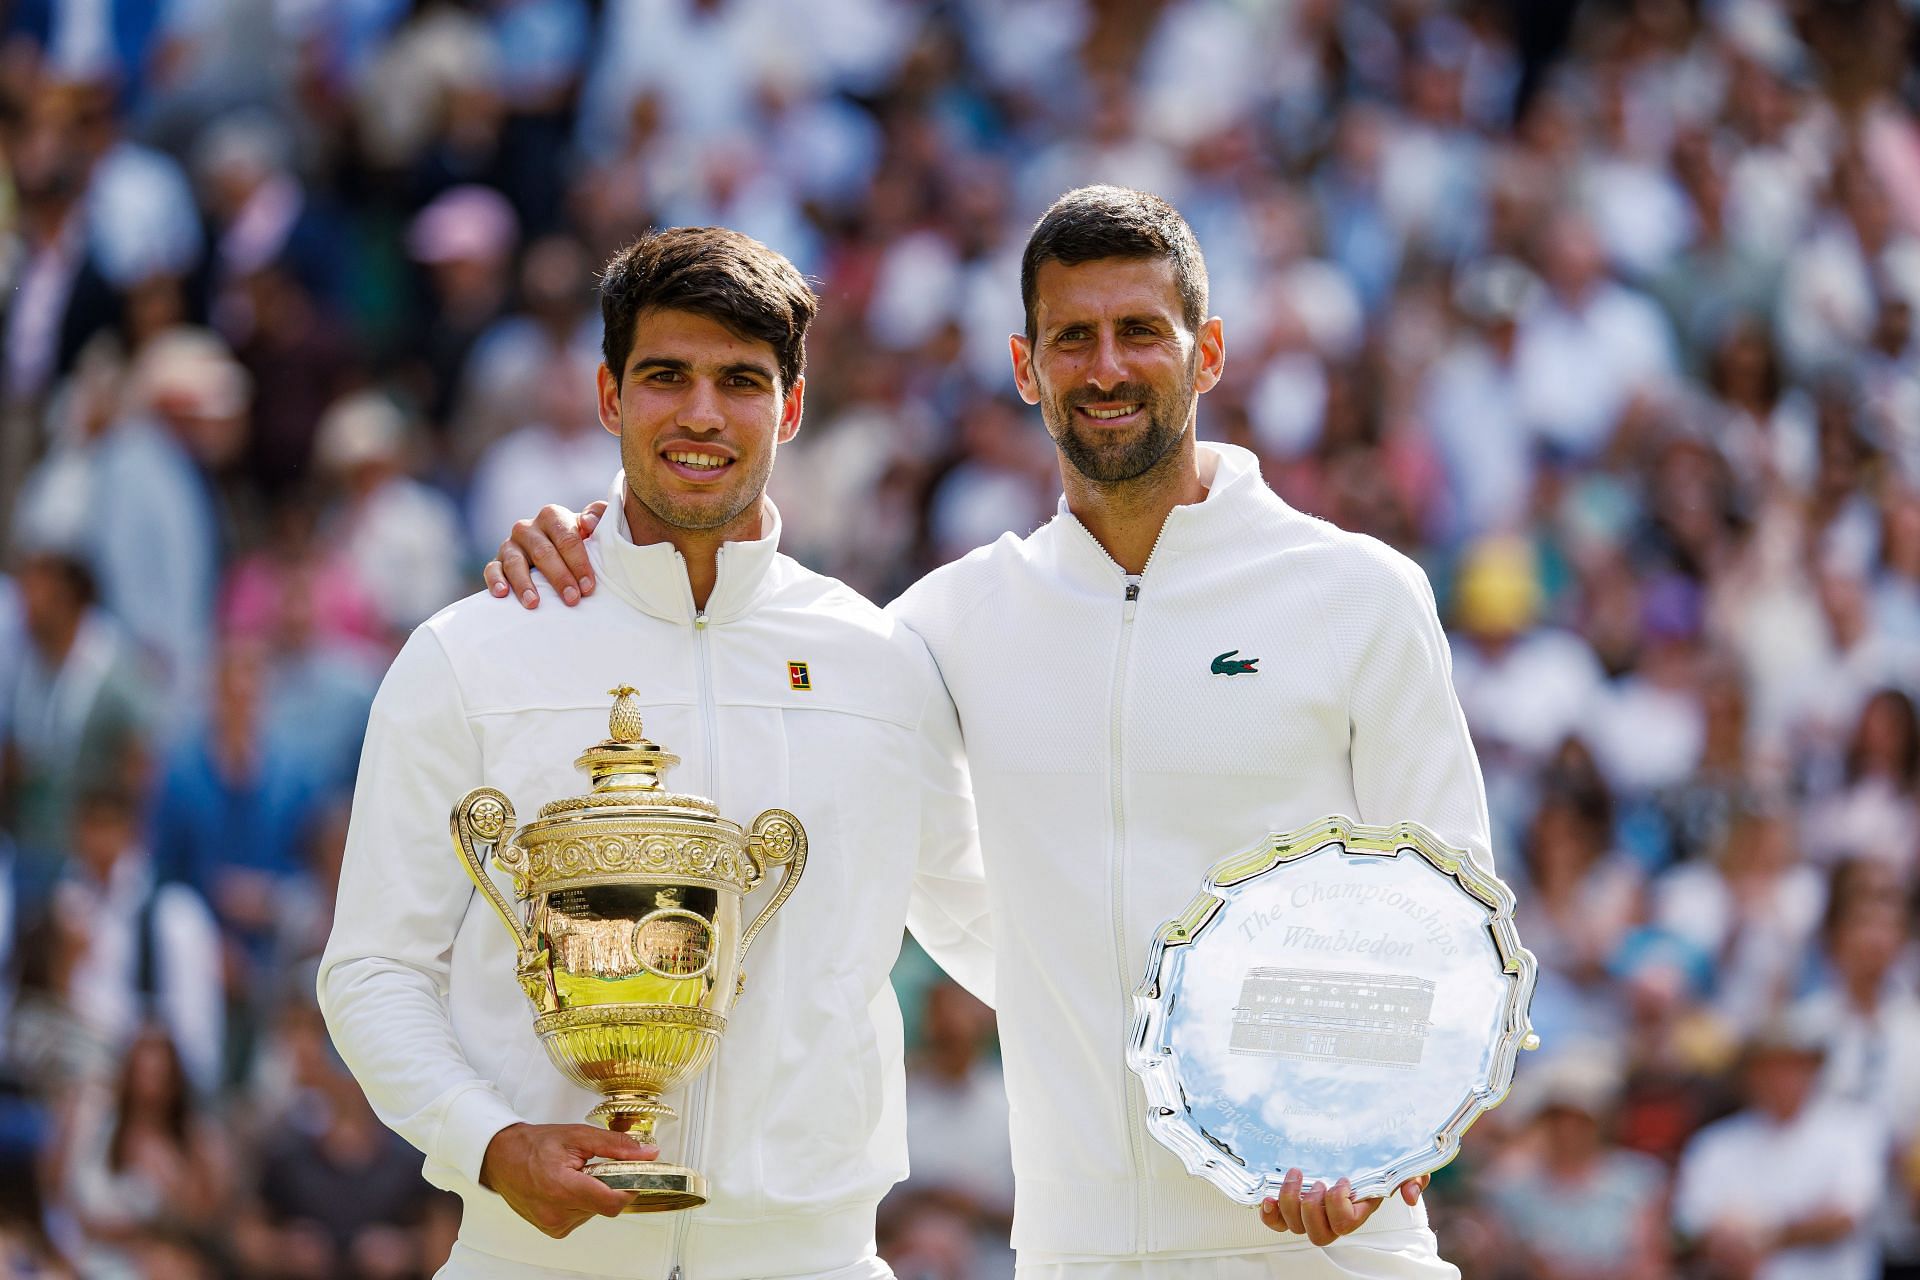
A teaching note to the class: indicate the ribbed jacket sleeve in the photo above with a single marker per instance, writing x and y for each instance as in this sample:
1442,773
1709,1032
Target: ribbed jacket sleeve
384,976
1412,757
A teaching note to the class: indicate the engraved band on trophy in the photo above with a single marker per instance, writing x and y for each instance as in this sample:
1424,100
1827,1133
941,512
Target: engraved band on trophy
631,945
1342,999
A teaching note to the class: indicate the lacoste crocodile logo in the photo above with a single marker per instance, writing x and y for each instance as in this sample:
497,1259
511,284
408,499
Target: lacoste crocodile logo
1228,665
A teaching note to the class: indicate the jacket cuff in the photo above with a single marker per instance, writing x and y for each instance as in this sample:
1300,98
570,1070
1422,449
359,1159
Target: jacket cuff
472,1118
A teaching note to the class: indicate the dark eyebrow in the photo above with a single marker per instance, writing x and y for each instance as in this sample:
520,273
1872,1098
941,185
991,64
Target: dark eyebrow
676,365
1147,318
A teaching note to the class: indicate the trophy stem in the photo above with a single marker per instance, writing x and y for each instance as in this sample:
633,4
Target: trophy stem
631,1113
657,1186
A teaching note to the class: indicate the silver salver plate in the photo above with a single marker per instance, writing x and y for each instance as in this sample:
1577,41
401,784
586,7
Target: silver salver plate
1343,999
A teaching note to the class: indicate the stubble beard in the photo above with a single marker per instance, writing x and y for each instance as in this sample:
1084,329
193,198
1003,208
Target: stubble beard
1116,462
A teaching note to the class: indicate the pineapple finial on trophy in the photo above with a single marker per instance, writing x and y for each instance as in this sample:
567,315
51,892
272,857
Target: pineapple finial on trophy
623,722
625,760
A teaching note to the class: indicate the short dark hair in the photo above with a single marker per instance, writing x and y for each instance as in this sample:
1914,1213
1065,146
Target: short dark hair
714,272
108,799
73,574
1116,222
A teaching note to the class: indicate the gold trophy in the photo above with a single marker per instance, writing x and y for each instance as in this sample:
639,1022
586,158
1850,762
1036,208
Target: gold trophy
632,948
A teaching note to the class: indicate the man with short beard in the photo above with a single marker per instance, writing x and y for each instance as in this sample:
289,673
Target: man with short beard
1173,666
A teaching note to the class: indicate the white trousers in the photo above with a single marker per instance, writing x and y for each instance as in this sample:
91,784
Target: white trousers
470,1264
1380,1255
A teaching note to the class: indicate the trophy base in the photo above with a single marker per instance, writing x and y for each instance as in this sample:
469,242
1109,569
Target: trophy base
657,1187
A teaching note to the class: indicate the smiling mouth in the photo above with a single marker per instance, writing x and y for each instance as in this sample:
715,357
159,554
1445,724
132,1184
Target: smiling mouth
1109,415
691,461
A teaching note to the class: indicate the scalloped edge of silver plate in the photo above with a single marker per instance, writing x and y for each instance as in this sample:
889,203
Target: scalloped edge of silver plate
1167,1118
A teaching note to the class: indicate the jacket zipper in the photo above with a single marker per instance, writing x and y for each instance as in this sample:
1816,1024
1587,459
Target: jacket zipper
698,1095
1118,782
1132,1106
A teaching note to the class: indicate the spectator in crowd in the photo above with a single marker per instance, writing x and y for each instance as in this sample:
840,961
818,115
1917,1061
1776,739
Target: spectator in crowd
150,954
1876,810
1829,297
559,453
59,294
1816,1224
1471,406
1870,1014
1763,425
1582,898
1590,350
1867,1011
234,811
262,215
124,483
295,346
401,540
1523,686
78,710
315,633
1573,1205
143,1160
465,240
294,563
1753,906
337,1193
507,381
318,636
1584,895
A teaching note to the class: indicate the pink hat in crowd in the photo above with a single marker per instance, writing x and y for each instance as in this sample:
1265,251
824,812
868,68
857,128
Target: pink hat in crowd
464,224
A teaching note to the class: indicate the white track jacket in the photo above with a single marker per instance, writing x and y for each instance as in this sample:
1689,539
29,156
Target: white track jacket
799,1122
1112,768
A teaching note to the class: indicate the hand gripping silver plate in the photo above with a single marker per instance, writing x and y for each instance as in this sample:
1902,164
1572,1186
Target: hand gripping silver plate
1343,999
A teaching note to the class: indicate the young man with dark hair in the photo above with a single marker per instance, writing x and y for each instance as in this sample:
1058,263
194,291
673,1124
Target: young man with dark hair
1115,761
709,271
798,1123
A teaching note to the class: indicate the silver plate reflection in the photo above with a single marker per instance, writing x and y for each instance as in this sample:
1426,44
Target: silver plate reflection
1342,999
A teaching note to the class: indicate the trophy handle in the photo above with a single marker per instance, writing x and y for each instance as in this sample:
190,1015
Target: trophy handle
482,819
775,837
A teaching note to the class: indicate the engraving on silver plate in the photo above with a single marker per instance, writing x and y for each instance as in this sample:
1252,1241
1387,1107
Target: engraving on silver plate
1346,999
1380,1019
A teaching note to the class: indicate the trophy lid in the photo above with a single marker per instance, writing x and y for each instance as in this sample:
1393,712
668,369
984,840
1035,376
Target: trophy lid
629,770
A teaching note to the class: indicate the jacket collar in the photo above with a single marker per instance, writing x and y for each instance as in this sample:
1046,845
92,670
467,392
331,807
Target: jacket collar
653,577
1234,490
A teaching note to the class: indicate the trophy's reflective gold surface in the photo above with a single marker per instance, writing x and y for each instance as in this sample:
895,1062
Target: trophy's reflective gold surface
631,944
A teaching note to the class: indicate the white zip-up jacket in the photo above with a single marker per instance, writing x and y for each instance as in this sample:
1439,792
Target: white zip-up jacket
1112,768
798,1124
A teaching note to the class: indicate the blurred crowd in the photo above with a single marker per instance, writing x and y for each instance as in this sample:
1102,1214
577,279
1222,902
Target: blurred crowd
1603,311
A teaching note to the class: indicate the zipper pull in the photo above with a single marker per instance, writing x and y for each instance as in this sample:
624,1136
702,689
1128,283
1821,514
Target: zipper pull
1133,592
699,624
675,1273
